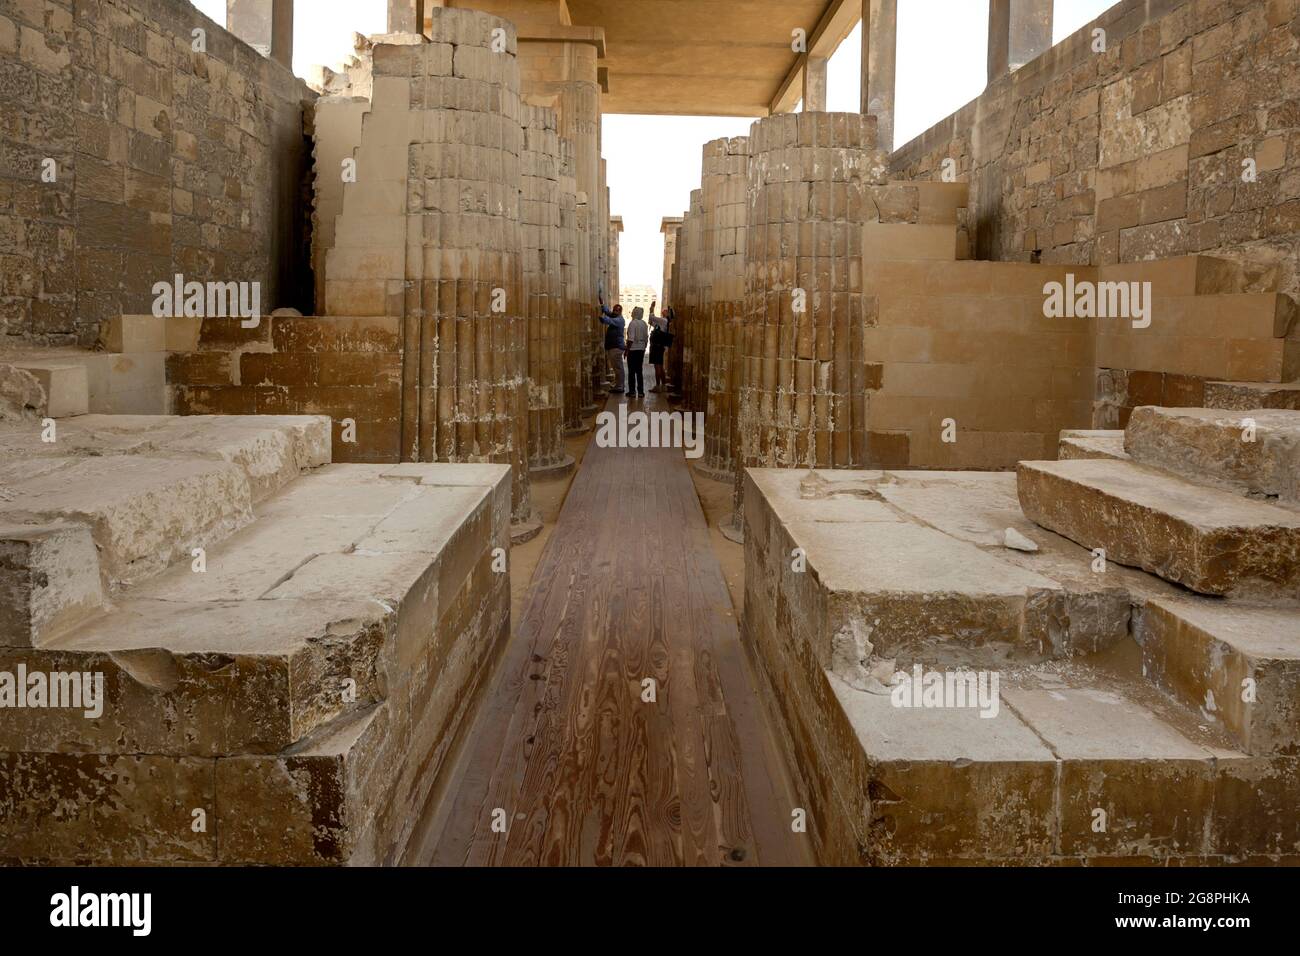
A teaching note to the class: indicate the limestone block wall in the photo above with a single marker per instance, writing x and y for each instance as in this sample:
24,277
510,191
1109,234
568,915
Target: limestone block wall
1137,152
540,214
349,368
724,185
165,160
803,396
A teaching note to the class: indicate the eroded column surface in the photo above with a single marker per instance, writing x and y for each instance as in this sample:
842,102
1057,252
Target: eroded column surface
574,320
723,185
265,25
803,388
430,232
677,354
814,84
669,227
692,246
540,226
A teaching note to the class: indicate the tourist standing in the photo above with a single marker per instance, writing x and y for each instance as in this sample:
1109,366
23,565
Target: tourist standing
660,339
613,322
638,337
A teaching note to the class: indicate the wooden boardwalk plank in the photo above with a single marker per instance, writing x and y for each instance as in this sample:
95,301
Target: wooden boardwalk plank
588,773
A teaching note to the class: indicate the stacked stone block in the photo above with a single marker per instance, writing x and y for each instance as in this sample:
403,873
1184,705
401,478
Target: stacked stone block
724,185
540,209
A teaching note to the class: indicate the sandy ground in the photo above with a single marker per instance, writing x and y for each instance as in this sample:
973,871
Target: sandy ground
548,499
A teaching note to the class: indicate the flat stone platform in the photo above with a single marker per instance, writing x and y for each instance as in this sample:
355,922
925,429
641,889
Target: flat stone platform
1116,730
285,649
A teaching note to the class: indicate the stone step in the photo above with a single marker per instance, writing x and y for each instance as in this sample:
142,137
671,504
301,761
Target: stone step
1021,776
1182,275
67,387
1212,541
1238,666
117,383
1255,453
304,690
1067,734
335,582
1244,396
144,513
49,581
271,450
1091,443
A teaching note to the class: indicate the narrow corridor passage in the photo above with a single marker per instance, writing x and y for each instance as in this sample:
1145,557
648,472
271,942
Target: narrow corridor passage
585,770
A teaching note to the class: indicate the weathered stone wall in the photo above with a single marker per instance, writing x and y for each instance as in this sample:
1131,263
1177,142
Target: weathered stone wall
1137,152
166,160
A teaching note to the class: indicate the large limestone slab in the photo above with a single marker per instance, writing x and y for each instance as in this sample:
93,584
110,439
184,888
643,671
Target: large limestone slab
144,513
212,677
1238,666
1256,452
49,581
947,784
79,808
272,450
910,558
1209,540
1153,785
1091,443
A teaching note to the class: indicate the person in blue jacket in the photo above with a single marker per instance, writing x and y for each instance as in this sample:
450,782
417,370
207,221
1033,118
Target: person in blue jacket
613,322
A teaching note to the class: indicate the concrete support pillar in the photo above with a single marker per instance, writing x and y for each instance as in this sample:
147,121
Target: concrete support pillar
615,231
814,84
803,389
265,25
879,56
1019,31
724,183
407,16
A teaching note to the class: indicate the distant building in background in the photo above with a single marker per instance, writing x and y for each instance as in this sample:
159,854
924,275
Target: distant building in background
633,295
669,227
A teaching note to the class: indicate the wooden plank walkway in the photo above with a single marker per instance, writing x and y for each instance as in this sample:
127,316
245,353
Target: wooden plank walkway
627,588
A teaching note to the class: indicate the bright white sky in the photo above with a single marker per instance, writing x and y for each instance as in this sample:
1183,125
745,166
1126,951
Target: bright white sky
654,161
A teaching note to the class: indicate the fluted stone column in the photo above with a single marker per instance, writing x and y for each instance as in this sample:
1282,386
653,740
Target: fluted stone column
723,185
540,226
430,233
694,323
571,345
803,386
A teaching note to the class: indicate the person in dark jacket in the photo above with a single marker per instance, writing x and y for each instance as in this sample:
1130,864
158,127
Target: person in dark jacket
613,322
660,339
